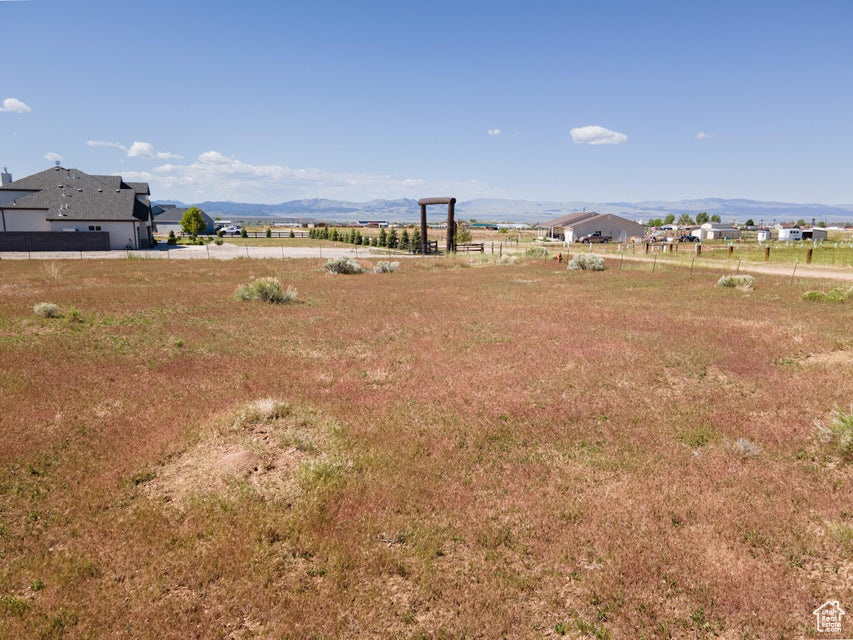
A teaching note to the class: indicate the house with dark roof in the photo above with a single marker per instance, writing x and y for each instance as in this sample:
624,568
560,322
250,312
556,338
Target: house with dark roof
167,217
573,226
55,209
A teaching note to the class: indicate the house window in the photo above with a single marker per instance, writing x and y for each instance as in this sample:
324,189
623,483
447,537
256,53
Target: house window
93,227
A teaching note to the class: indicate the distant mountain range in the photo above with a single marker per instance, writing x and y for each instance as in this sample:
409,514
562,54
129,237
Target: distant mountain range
524,211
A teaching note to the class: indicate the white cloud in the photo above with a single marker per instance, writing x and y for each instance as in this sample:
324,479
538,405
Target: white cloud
136,150
215,176
53,157
101,143
141,150
494,132
14,105
594,134
704,136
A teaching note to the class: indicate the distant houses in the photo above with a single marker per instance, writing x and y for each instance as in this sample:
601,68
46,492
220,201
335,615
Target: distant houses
63,209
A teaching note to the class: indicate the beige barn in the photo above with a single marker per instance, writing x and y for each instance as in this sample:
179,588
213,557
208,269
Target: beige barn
570,228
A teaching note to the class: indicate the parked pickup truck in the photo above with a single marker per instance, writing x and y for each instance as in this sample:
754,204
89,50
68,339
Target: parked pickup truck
595,236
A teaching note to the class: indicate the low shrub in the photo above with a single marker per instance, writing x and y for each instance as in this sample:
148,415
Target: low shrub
268,233
840,432
343,265
218,241
586,262
834,295
536,252
260,411
741,282
383,266
266,290
171,239
46,310
747,448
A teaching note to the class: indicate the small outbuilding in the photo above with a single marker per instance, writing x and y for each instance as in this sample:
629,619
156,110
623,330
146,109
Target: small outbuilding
717,231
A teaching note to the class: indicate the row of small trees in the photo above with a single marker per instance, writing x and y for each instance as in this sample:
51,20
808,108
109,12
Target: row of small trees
405,241
684,219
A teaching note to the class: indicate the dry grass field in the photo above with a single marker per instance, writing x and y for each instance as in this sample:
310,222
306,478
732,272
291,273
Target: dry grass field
448,451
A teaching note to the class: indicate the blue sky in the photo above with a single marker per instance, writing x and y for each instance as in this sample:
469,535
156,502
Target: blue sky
272,101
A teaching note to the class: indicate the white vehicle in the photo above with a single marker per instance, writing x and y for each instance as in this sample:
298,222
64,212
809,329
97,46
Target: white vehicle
233,228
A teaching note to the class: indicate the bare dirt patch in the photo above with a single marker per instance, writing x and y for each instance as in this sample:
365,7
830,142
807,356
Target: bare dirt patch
841,357
263,444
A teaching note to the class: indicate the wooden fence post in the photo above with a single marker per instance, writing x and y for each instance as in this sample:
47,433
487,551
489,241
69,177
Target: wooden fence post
809,256
767,253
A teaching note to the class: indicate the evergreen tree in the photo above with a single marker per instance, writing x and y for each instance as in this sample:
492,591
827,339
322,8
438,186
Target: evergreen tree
405,241
392,239
383,237
702,218
715,218
669,219
415,243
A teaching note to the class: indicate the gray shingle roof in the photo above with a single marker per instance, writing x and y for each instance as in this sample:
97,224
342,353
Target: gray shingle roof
71,194
140,188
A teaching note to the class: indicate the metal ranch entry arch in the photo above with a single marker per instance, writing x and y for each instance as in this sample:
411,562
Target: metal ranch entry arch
451,224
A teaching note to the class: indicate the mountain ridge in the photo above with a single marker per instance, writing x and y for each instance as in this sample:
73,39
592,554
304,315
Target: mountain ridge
527,211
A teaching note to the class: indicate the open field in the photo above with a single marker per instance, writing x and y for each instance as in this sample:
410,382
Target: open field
447,451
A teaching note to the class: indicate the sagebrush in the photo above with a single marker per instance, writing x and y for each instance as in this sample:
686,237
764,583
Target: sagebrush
740,282
536,252
343,265
586,262
266,290
383,266
46,310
